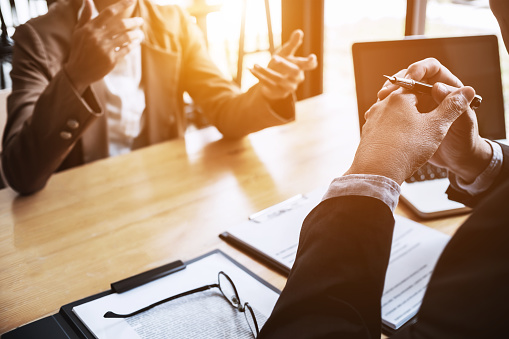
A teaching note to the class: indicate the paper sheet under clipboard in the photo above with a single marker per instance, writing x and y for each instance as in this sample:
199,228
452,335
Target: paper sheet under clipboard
415,251
202,315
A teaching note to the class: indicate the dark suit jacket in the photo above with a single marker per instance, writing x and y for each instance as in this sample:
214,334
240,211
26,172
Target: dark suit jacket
336,283
43,105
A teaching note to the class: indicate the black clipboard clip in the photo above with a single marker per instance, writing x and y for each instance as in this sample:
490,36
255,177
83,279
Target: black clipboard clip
146,277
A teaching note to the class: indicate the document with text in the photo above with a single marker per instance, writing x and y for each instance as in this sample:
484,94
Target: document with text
272,236
206,314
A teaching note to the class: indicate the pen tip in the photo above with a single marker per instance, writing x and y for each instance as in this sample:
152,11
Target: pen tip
388,77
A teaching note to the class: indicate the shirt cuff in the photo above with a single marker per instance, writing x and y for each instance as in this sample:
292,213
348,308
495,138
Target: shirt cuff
368,185
486,178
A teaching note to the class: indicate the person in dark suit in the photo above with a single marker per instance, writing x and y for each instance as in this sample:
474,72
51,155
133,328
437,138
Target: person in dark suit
335,286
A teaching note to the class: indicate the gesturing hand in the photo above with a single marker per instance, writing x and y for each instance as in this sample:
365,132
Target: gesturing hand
97,44
397,139
285,70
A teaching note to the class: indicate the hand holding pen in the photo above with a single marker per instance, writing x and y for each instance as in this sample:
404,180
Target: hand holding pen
421,87
462,151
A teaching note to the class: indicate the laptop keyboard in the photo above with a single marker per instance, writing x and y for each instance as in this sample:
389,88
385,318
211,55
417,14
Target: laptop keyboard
428,172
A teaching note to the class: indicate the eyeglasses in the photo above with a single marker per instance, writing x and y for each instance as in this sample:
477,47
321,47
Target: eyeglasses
228,290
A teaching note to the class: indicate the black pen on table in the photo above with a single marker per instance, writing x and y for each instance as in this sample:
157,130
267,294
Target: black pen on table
421,87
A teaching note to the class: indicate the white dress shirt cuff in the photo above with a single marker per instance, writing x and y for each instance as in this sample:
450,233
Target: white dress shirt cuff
368,185
486,178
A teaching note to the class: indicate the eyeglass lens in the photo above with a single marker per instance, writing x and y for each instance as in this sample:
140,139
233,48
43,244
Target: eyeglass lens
250,317
228,290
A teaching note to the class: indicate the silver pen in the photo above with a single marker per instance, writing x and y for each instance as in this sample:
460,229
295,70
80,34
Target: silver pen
421,87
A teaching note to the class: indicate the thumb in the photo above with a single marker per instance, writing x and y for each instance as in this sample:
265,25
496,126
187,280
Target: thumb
454,104
309,63
86,14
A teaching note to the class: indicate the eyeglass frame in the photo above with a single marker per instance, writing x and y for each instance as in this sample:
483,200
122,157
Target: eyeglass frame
237,305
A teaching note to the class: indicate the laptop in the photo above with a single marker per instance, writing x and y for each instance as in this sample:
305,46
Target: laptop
474,60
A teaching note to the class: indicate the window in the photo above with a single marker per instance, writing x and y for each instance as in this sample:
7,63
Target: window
467,17
353,21
224,32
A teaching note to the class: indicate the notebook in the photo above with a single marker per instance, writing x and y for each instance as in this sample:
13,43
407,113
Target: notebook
474,60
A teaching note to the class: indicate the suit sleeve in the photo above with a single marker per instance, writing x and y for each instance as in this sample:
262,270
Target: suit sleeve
335,286
473,201
45,115
467,295
232,112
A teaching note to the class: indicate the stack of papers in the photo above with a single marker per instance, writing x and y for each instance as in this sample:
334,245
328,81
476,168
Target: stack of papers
273,236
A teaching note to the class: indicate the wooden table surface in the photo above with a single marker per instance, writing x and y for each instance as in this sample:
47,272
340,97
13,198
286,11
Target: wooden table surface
113,218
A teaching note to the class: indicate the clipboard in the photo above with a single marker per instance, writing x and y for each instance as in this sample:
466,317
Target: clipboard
66,324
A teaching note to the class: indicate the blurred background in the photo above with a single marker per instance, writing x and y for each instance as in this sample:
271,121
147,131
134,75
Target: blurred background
343,22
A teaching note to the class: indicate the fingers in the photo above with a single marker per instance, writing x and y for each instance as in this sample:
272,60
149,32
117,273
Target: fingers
285,70
110,26
116,10
288,50
127,40
285,67
429,70
440,91
86,14
389,87
263,76
121,32
304,63
291,46
432,70
123,50
274,80
122,26
129,24
454,104
422,69
399,96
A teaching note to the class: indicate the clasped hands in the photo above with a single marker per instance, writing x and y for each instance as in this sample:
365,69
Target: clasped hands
404,130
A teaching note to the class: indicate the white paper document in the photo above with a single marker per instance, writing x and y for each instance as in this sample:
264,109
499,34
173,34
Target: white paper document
415,251
204,314
275,231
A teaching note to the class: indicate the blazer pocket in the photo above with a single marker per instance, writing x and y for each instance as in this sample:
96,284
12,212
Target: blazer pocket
161,75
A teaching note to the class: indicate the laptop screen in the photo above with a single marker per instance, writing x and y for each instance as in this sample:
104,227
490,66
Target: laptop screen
473,59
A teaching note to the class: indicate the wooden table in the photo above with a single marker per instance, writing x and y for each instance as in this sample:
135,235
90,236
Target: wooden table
108,220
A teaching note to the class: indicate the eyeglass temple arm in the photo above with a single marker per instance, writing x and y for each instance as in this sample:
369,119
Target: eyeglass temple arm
110,314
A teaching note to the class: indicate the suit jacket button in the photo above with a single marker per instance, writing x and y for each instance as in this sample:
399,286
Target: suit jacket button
65,135
73,124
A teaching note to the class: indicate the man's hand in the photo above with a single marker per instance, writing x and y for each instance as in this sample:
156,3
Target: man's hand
397,139
462,151
98,44
285,70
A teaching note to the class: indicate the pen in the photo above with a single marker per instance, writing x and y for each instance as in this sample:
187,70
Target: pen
421,87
